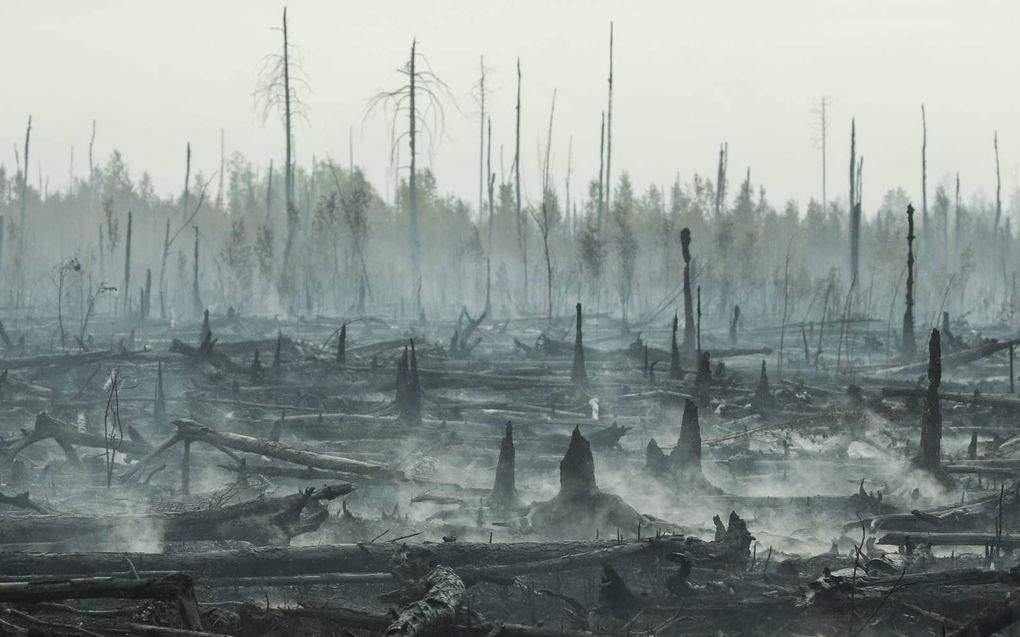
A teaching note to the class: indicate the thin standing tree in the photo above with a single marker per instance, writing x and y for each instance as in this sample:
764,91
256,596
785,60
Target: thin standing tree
481,136
167,241
956,227
127,268
488,254
999,183
720,180
924,172
602,157
280,77
609,121
855,208
909,345
522,237
543,216
420,82
685,246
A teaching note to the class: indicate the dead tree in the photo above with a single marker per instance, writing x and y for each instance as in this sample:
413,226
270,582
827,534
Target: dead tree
762,399
909,346
929,454
277,90
720,181
159,398
127,268
146,301
504,490
924,172
703,380
656,462
674,352
437,610
685,245
999,190
686,456
196,298
420,83
698,324
609,122
578,372
734,322
522,235
19,248
341,346
855,206
408,387
580,506
205,333
602,158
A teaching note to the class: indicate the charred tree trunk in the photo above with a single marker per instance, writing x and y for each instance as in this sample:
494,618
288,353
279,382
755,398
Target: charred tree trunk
686,456
703,380
341,346
685,246
146,310
929,453
504,490
855,209
909,345
674,353
409,398
734,323
762,395
578,372
159,399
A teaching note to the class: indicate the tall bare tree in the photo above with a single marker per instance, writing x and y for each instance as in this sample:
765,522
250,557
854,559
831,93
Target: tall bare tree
924,173
522,234
419,81
609,121
280,77
544,216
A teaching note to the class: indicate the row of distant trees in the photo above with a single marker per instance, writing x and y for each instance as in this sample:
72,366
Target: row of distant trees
351,252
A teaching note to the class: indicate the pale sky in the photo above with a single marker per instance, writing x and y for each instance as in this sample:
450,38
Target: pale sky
688,75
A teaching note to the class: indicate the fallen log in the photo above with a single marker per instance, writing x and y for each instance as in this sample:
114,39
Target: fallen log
992,620
262,522
336,558
190,431
166,587
176,587
953,360
972,398
897,538
437,610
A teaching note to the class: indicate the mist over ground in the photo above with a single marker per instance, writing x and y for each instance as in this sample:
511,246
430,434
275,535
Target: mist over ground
508,319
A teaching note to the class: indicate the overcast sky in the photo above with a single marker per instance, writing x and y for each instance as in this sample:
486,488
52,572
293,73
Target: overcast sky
688,75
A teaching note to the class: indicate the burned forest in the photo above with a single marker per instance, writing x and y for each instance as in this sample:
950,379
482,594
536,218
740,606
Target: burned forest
345,387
